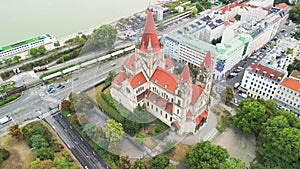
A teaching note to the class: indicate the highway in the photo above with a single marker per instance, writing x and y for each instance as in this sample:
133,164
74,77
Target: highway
76,143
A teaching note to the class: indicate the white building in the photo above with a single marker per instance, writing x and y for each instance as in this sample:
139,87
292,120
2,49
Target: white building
288,94
262,3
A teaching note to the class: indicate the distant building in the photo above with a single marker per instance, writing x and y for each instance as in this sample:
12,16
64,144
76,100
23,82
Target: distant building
262,3
147,80
288,93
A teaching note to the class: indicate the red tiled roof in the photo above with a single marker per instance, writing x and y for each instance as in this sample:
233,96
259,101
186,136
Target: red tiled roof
268,70
161,102
137,79
176,124
196,92
169,108
149,33
232,19
189,114
130,62
207,61
281,5
122,67
201,116
292,84
185,74
226,23
165,78
169,63
119,78
276,20
233,5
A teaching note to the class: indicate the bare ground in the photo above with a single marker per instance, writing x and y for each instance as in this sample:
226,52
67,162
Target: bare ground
238,144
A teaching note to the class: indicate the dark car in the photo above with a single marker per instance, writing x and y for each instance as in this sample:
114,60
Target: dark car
60,86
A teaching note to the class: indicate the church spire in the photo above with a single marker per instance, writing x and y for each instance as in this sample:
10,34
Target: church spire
149,34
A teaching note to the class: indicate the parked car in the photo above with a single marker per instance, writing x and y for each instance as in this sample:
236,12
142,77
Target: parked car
60,86
237,85
75,78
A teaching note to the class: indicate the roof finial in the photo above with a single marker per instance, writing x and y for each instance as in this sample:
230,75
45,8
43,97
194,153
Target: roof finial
149,6
149,44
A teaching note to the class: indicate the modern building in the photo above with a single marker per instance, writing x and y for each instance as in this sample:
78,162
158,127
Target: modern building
26,45
147,80
263,77
262,3
288,93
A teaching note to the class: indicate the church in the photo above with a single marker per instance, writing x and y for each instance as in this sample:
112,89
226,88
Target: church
147,79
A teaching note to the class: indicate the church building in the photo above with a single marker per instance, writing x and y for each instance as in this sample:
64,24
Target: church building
147,79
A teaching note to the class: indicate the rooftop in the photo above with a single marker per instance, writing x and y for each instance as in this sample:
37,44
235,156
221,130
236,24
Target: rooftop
292,84
295,74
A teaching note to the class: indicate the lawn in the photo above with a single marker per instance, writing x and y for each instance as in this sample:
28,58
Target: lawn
179,153
20,153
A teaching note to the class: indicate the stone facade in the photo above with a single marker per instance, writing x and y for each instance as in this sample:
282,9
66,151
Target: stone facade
147,80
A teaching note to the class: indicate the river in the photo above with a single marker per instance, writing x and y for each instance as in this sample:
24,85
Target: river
23,19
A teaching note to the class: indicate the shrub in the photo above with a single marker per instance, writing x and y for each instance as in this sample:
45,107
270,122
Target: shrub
5,153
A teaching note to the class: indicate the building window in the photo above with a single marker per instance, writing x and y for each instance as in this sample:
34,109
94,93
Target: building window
177,111
171,119
179,102
166,115
160,112
156,109
151,106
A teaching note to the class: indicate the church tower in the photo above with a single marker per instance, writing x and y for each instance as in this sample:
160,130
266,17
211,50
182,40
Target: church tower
150,53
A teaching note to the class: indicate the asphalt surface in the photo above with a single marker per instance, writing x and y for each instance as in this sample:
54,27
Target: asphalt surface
79,147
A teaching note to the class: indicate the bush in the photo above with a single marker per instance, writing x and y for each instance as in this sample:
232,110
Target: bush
36,128
5,153
45,153
10,98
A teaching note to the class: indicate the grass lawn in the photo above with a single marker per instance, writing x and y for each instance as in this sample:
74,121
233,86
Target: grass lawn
140,138
223,117
20,153
179,153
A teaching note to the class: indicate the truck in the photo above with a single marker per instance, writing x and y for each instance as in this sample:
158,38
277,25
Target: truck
5,119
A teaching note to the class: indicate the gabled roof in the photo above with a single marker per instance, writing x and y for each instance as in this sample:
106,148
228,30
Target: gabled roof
119,78
231,6
281,5
292,84
207,61
185,74
137,79
189,114
196,92
226,23
169,63
130,62
201,116
149,34
268,70
165,79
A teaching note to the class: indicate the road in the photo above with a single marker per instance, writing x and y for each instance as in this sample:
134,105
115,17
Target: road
76,143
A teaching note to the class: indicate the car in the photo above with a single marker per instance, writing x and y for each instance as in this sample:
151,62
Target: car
237,85
235,100
113,64
60,86
75,78
67,81
51,90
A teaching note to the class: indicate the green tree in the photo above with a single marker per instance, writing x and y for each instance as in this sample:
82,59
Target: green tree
206,155
41,50
33,52
297,35
194,12
62,163
227,95
199,7
56,44
15,131
38,141
16,58
103,37
124,162
237,17
114,133
250,116
111,75
89,129
171,167
159,162
139,164
233,163
294,13
290,51
44,153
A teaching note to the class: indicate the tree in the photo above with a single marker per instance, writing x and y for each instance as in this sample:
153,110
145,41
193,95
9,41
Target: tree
33,52
227,95
297,35
62,163
206,155
89,129
159,162
82,118
65,104
237,17
139,164
199,7
233,163
16,58
171,167
56,44
290,51
250,116
38,141
294,13
111,75
103,37
160,26
124,162
113,131
15,131
194,12
41,50
45,153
